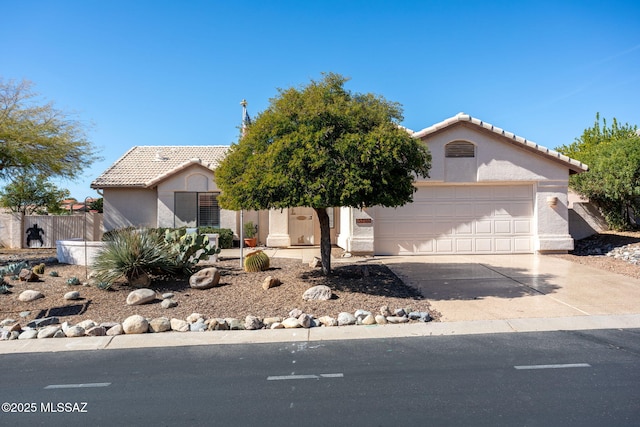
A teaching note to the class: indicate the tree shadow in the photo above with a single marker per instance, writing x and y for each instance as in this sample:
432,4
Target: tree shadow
63,311
365,278
472,281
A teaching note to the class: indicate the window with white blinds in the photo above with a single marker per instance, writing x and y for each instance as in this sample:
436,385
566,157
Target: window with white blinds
196,210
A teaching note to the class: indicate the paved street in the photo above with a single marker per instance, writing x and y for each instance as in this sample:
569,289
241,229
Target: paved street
555,378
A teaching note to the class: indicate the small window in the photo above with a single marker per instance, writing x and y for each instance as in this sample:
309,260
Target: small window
196,209
460,149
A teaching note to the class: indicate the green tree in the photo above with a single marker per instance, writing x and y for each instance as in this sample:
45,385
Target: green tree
37,138
30,195
322,146
613,180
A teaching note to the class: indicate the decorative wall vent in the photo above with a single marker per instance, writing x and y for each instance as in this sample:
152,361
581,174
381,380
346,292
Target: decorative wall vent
460,149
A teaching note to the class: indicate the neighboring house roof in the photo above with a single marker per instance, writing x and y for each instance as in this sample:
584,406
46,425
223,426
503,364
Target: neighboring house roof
145,166
461,118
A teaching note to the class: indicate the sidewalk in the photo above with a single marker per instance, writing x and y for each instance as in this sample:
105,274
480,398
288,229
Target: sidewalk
474,294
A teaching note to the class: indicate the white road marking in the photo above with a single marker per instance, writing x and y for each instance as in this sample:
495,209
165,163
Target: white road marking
88,385
560,366
303,377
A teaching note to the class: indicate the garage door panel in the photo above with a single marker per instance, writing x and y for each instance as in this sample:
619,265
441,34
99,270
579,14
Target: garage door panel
459,219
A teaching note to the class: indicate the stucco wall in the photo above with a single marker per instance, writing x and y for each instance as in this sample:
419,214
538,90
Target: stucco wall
125,207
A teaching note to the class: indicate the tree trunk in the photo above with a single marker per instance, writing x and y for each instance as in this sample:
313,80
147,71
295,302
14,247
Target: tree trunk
325,240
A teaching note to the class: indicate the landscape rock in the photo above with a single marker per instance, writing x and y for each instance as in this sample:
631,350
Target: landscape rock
7,322
30,295
318,293
328,321
345,319
235,324
290,323
135,324
4,334
96,331
305,320
205,279
45,321
384,310
13,328
400,312
27,275
59,334
108,325
361,314
296,312
87,324
381,320
168,303
397,319
276,325
268,321
422,316
28,334
141,296
315,262
168,295
198,326
270,282
195,317
141,281
160,324
115,330
74,331
48,331
368,320
73,295
179,325
217,325
252,323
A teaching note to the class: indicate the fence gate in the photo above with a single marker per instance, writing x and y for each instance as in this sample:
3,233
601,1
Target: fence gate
42,231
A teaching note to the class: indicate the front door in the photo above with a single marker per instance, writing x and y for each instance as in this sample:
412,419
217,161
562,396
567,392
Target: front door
301,226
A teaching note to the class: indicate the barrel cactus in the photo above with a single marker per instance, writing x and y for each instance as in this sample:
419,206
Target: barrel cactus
256,261
39,269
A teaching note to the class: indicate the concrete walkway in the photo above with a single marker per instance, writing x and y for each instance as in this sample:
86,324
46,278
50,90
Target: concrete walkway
474,295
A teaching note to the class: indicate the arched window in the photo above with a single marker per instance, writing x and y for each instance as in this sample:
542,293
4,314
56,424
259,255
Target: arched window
459,149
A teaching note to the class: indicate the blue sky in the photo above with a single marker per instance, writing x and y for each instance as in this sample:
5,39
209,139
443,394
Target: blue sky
155,72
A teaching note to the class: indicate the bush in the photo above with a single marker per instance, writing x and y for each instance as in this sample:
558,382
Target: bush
225,239
133,254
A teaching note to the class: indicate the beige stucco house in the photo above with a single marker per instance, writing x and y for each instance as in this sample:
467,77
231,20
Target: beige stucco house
489,192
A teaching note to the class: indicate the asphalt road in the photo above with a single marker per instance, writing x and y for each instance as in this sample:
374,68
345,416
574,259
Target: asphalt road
586,378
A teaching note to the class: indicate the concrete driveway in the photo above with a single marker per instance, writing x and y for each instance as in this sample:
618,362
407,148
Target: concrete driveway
497,287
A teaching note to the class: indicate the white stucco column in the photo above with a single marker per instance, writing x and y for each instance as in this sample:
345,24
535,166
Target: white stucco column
278,229
356,231
552,217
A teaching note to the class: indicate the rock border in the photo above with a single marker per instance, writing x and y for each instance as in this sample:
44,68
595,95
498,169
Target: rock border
50,327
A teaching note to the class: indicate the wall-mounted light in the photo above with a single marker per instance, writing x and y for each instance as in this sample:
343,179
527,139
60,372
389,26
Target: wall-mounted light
552,201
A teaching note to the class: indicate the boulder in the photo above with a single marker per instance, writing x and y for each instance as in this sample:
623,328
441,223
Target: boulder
135,324
30,295
368,320
48,331
305,320
74,331
268,321
205,279
318,293
141,296
115,330
315,262
345,319
87,324
290,323
159,324
328,321
381,320
195,317
296,312
270,282
198,326
28,334
96,331
179,325
235,324
397,319
73,295
168,303
27,275
384,310
252,323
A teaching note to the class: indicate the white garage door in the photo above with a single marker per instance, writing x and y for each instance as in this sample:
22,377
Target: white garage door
458,220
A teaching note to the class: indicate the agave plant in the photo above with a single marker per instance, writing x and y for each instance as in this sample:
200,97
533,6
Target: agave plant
133,254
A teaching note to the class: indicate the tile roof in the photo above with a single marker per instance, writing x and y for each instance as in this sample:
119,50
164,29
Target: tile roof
144,166
574,165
